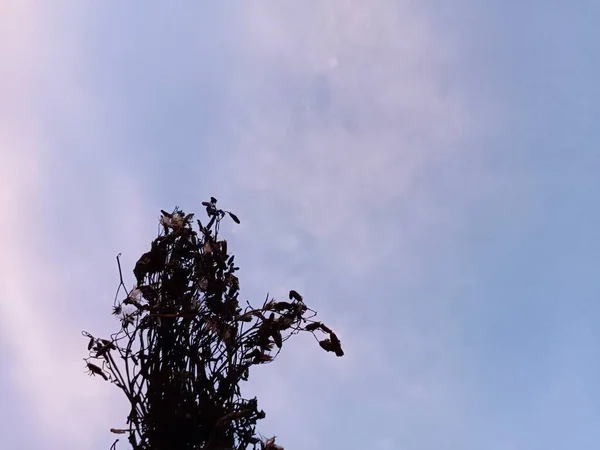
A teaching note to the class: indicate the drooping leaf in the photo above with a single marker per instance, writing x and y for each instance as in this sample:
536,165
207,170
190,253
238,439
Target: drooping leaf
326,345
234,217
277,338
94,369
313,326
295,296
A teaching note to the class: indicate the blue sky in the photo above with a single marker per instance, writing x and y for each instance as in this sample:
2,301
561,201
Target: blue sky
424,173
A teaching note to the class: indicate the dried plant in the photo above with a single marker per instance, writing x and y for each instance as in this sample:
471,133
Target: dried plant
185,344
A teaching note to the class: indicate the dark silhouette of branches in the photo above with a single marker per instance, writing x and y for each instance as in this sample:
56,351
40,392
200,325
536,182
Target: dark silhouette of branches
185,344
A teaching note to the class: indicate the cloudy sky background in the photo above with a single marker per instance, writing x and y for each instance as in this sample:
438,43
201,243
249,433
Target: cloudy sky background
424,173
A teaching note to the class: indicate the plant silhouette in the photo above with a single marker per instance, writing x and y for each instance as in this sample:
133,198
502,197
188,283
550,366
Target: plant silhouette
185,343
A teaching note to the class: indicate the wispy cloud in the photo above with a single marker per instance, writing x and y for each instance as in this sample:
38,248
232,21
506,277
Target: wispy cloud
337,115
335,152
58,225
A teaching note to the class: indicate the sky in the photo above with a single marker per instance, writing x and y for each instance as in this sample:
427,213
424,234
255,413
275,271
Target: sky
424,173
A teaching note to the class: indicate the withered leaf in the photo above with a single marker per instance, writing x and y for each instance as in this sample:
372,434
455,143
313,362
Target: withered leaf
96,370
326,345
234,217
278,306
313,326
295,296
332,345
262,358
283,323
253,354
102,351
325,329
269,444
277,338
336,344
334,339
109,344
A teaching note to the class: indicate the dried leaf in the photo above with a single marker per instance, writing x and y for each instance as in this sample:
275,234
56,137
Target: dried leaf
325,328
295,296
101,352
277,338
262,358
326,345
313,326
94,369
234,217
278,306
109,344
336,344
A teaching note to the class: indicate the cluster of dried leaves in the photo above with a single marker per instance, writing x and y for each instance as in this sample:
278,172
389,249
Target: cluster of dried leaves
185,343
